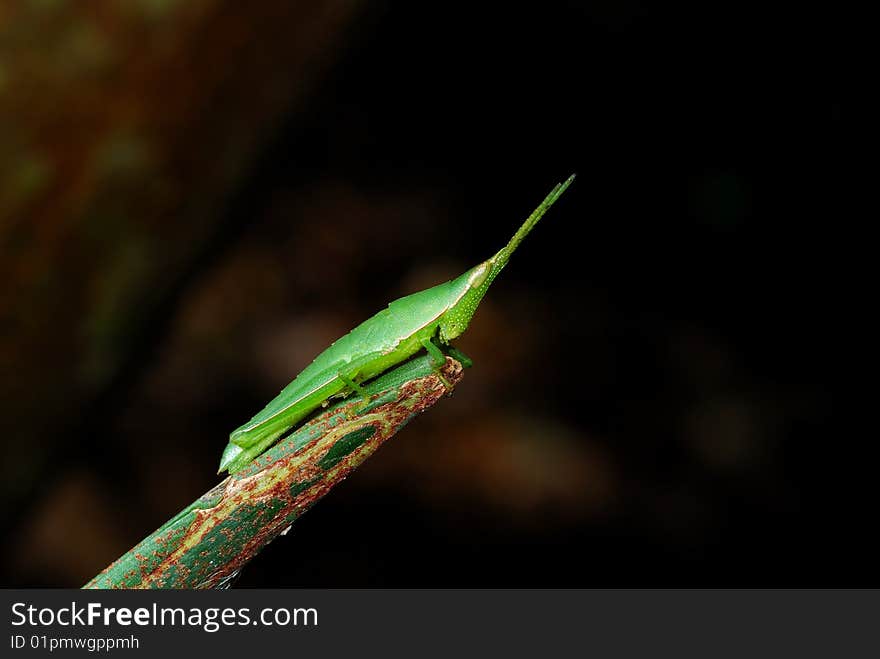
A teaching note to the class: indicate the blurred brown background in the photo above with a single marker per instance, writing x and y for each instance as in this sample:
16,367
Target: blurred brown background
197,197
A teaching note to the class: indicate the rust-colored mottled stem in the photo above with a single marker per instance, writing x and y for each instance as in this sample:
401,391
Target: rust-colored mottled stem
209,541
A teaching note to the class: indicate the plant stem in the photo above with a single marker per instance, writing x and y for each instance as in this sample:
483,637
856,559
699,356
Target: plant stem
206,544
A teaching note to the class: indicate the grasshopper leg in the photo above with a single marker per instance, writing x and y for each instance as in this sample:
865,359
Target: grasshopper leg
459,356
436,354
438,359
357,389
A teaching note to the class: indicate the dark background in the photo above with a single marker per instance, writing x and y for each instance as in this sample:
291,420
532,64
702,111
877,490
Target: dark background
198,197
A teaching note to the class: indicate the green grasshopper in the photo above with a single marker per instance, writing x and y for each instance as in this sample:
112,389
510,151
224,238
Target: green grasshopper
423,320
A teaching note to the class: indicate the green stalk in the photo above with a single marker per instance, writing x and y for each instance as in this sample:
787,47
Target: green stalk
206,544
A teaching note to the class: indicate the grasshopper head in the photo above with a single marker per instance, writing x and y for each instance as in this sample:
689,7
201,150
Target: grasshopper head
473,284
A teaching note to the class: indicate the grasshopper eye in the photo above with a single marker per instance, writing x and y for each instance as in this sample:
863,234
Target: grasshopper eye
479,275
